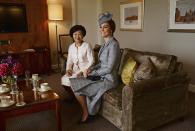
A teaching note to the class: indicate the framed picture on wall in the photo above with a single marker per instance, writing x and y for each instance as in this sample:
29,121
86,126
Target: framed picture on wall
132,15
181,16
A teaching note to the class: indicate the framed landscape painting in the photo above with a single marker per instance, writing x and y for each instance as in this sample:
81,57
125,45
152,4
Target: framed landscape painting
131,15
181,16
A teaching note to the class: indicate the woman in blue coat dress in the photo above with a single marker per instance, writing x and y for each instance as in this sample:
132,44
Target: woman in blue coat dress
101,77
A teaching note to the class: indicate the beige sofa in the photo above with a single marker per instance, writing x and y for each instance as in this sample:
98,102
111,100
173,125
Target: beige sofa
148,103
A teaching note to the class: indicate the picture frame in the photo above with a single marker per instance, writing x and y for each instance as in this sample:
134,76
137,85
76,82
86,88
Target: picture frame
132,15
181,16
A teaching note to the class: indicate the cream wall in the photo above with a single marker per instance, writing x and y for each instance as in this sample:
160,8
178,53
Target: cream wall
86,15
155,36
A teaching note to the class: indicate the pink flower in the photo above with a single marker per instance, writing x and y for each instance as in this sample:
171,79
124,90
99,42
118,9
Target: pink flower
17,69
9,67
4,69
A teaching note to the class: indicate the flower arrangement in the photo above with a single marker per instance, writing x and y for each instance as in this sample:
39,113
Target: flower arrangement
10,67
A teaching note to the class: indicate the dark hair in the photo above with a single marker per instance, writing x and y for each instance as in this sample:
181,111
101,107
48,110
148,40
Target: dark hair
77,28
112,25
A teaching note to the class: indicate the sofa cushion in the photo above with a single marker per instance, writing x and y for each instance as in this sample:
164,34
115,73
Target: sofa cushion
164,63
128,71
146,70
123,59
112,114
114,96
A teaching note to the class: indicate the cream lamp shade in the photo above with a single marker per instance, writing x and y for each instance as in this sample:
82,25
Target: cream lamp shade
55,11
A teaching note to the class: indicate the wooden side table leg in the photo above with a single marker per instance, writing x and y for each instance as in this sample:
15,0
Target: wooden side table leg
2,123
58,115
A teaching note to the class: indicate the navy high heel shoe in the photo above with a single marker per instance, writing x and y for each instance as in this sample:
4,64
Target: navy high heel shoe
89,119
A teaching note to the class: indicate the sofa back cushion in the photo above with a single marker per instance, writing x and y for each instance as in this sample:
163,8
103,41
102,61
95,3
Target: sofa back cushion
146,70
128,71
163,63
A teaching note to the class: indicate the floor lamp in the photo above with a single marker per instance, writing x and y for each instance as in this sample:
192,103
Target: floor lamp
55,13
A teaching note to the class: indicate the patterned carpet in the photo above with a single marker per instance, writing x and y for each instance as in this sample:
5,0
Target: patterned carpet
45,121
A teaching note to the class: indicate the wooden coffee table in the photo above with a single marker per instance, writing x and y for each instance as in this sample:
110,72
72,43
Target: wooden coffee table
35,102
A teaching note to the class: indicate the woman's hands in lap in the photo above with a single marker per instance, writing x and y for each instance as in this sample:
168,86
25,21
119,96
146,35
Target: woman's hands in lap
86,72
69,72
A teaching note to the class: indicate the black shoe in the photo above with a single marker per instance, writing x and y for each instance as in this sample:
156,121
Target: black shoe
89,119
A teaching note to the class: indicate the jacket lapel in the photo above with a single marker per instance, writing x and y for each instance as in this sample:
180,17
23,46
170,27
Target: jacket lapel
103,47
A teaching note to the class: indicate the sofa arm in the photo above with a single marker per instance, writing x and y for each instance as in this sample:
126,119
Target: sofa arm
148,103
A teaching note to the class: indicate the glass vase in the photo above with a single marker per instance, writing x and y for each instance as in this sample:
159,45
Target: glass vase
8,80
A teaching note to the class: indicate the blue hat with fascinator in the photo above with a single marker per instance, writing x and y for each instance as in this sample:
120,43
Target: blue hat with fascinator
104,17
